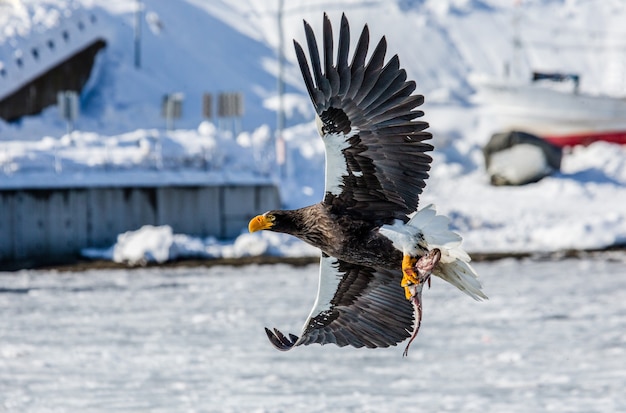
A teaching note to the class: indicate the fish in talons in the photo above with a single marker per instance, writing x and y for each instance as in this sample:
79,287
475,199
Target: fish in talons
422,269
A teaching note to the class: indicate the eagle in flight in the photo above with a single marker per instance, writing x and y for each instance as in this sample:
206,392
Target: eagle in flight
377,250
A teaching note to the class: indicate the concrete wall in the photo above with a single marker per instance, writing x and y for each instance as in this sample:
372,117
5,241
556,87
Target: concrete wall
51,225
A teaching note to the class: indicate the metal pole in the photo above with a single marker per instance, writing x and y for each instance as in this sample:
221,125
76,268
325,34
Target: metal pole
280,115
138,34
169,113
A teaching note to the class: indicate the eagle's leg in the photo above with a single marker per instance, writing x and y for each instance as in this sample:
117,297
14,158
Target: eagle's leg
409,277
417,270
422,269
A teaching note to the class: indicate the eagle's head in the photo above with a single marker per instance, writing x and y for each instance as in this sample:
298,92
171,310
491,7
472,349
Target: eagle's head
277,221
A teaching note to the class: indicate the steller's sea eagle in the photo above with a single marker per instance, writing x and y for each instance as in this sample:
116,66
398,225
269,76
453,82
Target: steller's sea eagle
377,251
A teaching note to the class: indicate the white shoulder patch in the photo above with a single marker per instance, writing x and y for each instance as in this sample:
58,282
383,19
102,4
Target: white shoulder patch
336,167
404,237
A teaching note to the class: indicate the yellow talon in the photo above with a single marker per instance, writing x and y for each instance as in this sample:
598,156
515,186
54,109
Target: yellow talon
407,293
409,276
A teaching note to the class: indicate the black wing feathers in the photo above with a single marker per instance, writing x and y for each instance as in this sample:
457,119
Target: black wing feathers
374,102
357,67
342,57
314,93
372,71
368,309
389,81
279,340
321,82
329,69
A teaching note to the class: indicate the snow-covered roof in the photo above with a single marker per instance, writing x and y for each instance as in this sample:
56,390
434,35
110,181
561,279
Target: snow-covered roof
36,38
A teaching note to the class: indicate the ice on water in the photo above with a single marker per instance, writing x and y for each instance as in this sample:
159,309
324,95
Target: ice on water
551,338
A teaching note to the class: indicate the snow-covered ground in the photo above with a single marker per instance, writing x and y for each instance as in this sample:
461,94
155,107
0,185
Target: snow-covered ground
193,46
551,338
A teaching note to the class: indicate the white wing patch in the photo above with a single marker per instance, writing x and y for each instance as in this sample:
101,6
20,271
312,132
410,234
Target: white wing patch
329,280
336,166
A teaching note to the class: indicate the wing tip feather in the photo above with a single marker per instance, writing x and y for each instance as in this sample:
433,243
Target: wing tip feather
279,340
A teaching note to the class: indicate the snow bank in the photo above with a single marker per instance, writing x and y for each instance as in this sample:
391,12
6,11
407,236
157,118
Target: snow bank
151,244
143,157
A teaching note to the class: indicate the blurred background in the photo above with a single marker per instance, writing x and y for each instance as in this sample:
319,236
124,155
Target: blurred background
122,114
135,133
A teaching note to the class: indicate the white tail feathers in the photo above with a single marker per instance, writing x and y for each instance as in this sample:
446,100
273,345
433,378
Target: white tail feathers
462,276
426,231
454,265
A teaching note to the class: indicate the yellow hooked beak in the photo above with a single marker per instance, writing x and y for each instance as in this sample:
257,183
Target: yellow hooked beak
260,222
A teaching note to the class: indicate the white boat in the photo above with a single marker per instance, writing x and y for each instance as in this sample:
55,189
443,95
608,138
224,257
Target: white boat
549,110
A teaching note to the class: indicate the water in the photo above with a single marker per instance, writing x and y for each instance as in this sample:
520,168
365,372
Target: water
552,338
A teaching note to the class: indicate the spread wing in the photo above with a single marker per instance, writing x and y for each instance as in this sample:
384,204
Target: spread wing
376,165
355,305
